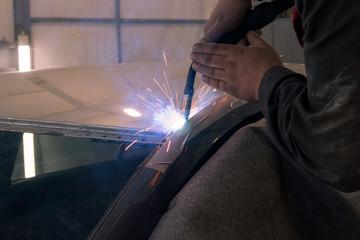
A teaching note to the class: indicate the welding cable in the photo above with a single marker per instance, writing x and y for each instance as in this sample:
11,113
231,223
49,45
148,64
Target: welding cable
258,18
188,92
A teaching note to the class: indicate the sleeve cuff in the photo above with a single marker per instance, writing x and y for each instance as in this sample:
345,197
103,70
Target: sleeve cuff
271,80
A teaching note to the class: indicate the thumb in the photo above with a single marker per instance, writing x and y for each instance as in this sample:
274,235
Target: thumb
215,32
255,40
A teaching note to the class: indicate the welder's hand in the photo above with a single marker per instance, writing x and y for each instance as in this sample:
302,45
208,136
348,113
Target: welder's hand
226,16
235,69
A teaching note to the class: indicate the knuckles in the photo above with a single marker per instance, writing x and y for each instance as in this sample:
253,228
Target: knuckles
211,48
208,59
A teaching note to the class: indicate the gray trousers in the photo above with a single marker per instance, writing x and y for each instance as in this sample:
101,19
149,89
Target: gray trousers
246,191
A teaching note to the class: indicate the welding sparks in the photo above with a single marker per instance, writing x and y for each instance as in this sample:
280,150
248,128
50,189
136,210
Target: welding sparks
170,119
143,130
159,101
130,145
154,179
163,53
164,56
167,109
168,147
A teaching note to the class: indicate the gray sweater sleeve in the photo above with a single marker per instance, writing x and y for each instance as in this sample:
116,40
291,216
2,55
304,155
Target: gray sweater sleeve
315,122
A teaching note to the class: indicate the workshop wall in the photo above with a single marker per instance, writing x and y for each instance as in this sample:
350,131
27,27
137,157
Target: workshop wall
71,43
74,43
73,9
165,9
145,42
8,54
6,20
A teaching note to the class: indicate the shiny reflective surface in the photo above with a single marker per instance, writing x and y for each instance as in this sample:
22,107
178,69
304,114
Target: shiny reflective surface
146,196
72,189
90,101
141,203
166,156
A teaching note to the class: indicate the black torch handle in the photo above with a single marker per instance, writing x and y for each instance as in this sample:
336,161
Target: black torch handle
258,18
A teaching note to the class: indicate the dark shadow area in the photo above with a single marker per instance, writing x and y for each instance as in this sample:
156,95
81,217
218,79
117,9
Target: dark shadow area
317,210
65,204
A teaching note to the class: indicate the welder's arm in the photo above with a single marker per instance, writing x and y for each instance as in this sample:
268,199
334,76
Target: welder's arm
315,122
238,69
235,69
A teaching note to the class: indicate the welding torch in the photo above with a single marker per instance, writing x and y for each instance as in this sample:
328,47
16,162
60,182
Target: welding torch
258,18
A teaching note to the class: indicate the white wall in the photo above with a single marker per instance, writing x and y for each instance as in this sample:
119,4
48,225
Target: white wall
168,9
72,44
6,20
8,57
71,8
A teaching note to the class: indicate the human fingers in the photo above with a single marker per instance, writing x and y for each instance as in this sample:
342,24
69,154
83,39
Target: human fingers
215,83
255,40
207,38
212,48
211,72
259,32
269,56
242,42
210,60
209,23
225,17
215,32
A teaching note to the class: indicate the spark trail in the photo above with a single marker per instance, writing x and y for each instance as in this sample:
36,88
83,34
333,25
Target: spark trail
166,110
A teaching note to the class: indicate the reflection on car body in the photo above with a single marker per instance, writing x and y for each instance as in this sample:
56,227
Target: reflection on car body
141,203
67,202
